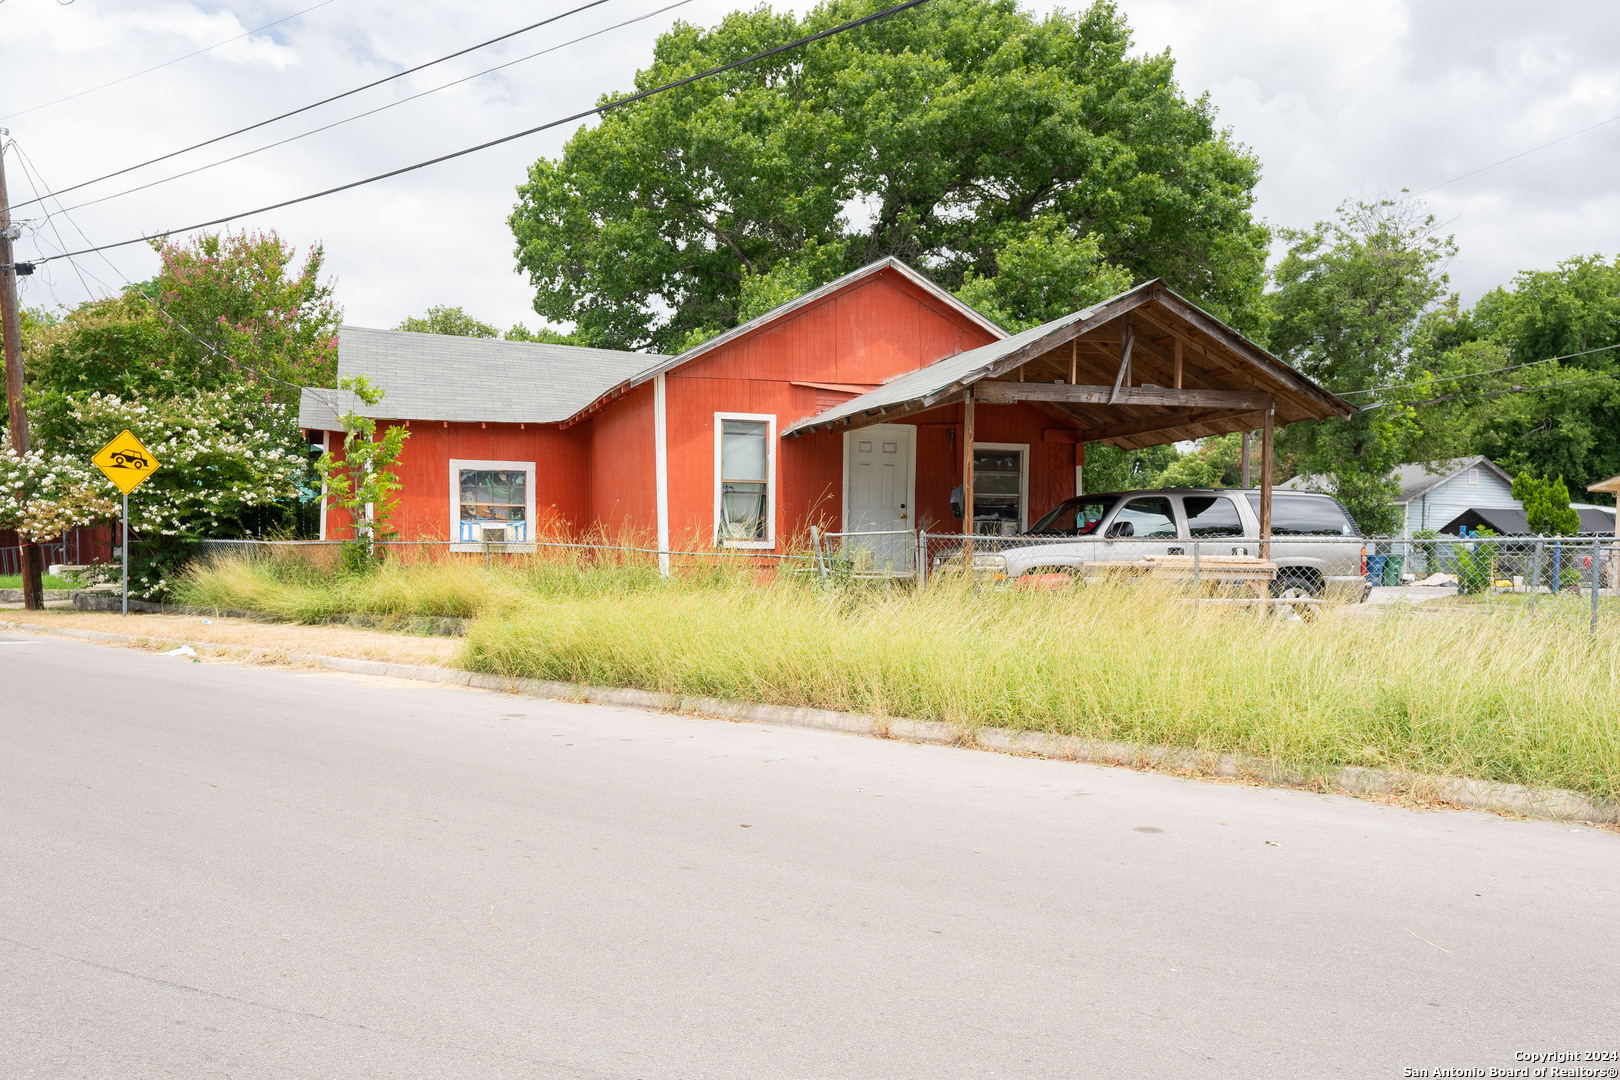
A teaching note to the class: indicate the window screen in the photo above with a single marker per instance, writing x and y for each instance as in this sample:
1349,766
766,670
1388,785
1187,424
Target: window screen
1148,517
998,482
744,479
1211,515
1305,515
494,494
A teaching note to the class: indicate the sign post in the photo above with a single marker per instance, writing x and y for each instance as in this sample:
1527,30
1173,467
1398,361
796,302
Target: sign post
127,464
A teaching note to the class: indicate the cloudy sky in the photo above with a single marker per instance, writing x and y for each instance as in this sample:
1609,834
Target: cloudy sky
1337,97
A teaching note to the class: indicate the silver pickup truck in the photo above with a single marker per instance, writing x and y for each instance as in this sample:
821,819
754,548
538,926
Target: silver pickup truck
1315,545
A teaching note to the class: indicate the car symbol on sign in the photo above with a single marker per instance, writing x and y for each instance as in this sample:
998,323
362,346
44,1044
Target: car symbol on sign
126,460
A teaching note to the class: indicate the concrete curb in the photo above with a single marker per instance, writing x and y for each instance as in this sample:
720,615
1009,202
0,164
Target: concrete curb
1551,804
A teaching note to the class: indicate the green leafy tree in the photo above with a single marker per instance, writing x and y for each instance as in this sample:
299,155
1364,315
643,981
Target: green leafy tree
362,482
1215,462
250,297
1546,505
1572,427
224,311
1108,468
545,335
953,136
1349,300
448,320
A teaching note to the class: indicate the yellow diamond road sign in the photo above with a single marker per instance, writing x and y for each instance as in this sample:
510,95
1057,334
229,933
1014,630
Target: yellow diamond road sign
126,462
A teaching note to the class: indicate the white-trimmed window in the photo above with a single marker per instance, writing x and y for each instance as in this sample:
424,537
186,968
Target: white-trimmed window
745,480
491,501
1000,488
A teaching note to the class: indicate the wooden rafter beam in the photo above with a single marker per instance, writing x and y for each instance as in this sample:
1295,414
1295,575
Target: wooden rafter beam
1130,428
1006,393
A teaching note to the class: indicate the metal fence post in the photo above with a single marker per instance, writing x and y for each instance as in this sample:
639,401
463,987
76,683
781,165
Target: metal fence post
922,557
1596,552
815,542
1195,567
1535,575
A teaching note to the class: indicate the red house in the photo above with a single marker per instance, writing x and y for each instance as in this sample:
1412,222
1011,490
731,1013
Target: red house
850,408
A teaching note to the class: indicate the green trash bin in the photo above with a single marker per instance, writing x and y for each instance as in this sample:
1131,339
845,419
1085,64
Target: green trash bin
1394,566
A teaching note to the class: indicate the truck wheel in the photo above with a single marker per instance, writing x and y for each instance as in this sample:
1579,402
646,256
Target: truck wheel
1296,585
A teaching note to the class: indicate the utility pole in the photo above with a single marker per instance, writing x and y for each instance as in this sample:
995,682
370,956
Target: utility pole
11,328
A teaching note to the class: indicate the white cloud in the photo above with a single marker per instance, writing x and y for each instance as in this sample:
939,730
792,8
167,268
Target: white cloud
1335,98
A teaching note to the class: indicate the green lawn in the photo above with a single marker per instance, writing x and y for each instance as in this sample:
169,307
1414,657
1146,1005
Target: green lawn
14,581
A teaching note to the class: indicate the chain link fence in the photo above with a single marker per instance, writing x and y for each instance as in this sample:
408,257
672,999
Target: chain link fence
1296,570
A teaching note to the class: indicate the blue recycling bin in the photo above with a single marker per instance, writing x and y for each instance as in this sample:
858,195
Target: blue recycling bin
1375,568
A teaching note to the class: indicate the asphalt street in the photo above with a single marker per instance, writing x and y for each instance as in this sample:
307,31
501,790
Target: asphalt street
209,870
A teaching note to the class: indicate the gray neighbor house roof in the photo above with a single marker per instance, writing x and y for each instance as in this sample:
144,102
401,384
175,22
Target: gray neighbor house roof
458,379
1416,479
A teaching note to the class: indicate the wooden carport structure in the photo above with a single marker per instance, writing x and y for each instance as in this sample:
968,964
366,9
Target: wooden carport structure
1143,368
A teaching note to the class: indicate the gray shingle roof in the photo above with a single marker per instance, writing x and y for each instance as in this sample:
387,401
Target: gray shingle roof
1415,479
438,377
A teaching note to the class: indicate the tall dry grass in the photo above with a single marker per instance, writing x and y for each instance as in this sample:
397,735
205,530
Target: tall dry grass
1487,694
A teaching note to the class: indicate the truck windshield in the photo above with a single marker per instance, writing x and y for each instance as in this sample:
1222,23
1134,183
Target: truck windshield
1074,517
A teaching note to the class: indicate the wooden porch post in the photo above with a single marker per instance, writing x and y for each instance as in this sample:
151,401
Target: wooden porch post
1265,484
967,462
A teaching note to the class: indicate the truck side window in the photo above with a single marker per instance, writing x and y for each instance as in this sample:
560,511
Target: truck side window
1211,515
1148,517
1305,515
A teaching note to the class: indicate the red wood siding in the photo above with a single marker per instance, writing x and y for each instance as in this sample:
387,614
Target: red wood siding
600,473
939,458
879,327
562,471
624,494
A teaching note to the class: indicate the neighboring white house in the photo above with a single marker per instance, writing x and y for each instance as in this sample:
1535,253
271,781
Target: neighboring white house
1432,496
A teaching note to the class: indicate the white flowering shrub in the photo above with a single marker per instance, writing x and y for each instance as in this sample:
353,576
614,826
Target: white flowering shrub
224,456
43,495
221,454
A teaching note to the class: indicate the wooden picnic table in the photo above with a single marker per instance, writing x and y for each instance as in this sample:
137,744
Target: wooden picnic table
1240,570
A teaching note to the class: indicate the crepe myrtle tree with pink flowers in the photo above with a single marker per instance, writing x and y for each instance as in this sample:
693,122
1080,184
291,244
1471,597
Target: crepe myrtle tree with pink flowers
239,321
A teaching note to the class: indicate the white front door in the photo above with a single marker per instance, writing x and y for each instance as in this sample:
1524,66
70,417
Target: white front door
878,496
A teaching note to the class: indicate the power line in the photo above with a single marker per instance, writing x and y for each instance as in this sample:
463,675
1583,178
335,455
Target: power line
327,100
378,109
1479,374
166,63
157,306
600,109
1492,393
1520,154
29,174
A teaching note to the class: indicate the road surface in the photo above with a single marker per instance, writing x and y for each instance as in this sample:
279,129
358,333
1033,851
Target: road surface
215,870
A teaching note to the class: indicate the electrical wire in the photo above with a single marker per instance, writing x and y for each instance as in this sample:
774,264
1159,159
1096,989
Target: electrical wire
29,174
378,109
328,100
1491,393
1479,374
166,63
1520,154
321,392
598,110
